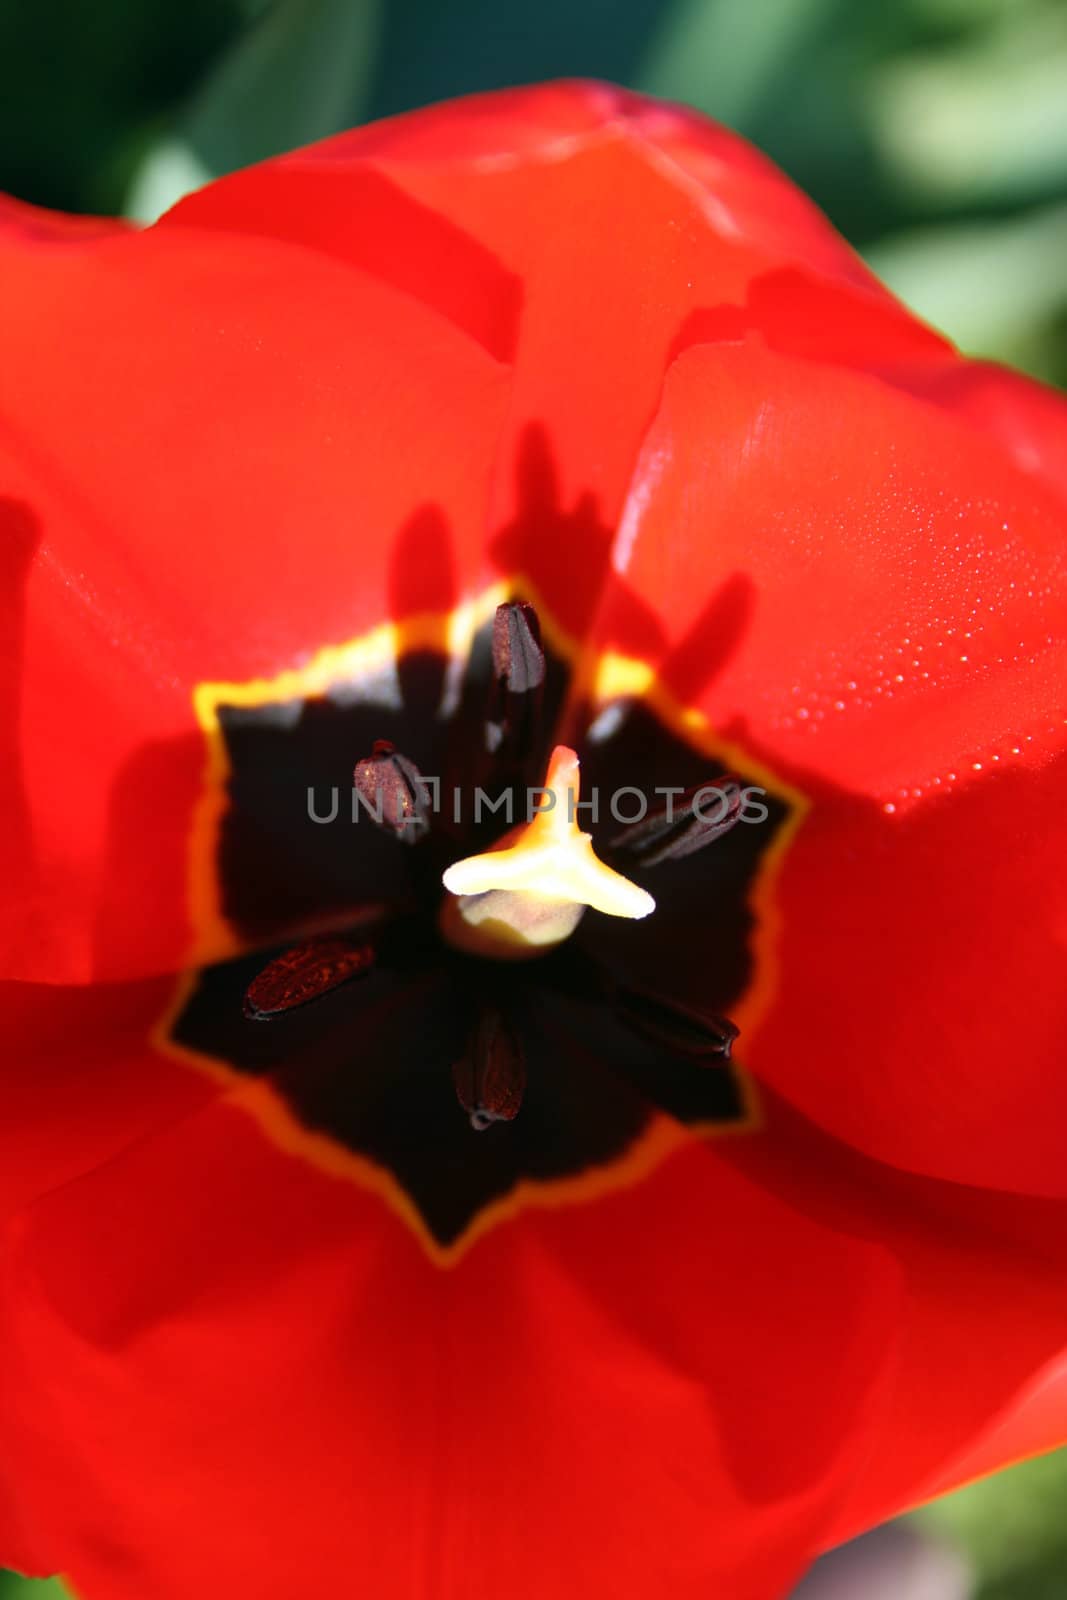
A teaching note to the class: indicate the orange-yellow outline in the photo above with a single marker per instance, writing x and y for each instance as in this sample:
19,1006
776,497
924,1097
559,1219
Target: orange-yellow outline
604,679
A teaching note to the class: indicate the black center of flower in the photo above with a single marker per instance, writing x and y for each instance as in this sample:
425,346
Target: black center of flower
457,1075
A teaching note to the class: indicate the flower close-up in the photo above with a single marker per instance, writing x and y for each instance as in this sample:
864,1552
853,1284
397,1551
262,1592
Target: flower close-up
535,912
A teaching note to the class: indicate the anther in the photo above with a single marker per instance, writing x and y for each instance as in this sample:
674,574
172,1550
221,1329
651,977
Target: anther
490,1076
304,973
678,1029
514,718
393,791
697,817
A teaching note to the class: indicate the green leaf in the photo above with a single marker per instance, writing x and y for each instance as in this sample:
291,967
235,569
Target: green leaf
1012,1526
299,74
12,1587
725,58
982,123
998,289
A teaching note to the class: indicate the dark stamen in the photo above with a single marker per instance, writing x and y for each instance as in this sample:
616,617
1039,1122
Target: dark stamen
518,681
303,973
683,1032
393,791
490,1076
680,828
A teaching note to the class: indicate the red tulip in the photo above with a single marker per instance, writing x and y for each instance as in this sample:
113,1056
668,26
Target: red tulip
664,1321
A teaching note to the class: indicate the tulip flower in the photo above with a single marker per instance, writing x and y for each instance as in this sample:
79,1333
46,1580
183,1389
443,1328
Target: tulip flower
534,927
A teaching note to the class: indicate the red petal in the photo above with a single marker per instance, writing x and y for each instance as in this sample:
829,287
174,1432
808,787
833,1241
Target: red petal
599,1399
765,1344
239,452
80,1086
618,218
19,221
1027,419
921,1004
905,585
743,195
1035,1423
200,347
868,596
981,1313
80,1083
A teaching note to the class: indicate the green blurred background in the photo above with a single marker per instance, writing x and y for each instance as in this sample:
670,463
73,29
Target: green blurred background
933,132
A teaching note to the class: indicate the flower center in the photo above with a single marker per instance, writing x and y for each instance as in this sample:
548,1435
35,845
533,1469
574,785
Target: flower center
470,923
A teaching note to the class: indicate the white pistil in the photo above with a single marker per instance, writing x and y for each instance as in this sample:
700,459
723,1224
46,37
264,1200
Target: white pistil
529,893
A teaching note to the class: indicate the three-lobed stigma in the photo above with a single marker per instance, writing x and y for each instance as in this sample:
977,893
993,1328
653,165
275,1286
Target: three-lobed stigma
528,894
